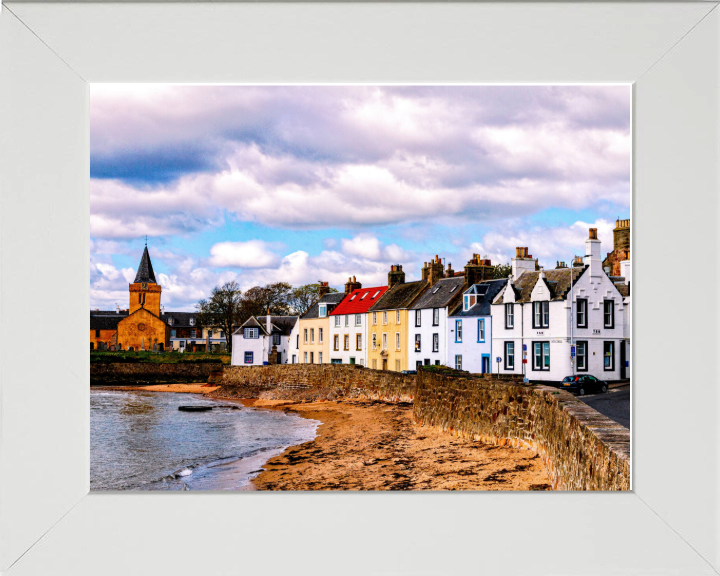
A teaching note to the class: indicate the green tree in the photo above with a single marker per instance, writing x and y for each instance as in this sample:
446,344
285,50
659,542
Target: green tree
222,309
302,297
502,271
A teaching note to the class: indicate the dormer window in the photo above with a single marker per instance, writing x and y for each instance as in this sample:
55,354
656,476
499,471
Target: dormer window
323,310
251,333
192,321
469,301
170,321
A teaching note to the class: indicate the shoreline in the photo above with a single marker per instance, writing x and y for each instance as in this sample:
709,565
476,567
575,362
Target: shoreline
197,388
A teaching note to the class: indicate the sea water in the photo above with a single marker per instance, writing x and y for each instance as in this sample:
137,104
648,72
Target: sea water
141,441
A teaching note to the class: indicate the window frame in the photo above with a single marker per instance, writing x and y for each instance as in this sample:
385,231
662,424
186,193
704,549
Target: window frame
481,322
384,341
458,361
511,365
358,319
436,342
541,314
584,302
510,315
611,302
320,357
385,318
418,318
577,355
322,311
436,317
374,341
305,334
397,341
542,344
337,321
397,317
458,331
336,342
358,342
346,342
612,355
248,354
312,335
418,342
320,335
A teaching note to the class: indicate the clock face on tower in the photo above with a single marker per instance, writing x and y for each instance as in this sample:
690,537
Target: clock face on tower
143,285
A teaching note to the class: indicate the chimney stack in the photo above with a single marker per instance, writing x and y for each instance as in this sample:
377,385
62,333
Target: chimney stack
449,273
352,285
523,262
592,256
268,323
476,270
396,275
433,271
323,289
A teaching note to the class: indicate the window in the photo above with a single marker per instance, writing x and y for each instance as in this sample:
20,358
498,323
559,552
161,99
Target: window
347,320
509,315
397,340
363,296
582,313
358,342
418,317
209,334
276,339
358,319
609,313
319,357
581,349
374,318
374,342
336,342
305,339
337,321
481,330
192,321
352,297
509,355
541,314
375,295
320,335
170,320
251,333
323,310
297,341
609,356
417,342
384,317
384,341
436,342
248,357
97,333
452,289
312,335
173,333
418,363
458,330
397,316
436,316
374,364
458,362
541,355
312,358
294,359
193,334
397,366
469,301
346,342
222,333
306,358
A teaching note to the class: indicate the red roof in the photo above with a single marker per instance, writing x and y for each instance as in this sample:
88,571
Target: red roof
359,301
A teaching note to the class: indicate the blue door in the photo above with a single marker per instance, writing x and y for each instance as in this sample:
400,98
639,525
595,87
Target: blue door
485,363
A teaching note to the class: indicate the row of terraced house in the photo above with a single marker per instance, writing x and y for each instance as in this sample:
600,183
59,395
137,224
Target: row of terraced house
543,324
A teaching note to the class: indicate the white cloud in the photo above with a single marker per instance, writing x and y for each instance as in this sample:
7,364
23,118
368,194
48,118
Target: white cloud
251,254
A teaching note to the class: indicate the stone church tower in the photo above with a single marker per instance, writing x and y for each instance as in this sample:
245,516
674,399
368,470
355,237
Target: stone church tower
143,329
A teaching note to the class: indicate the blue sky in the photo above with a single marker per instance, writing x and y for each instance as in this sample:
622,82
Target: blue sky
305,183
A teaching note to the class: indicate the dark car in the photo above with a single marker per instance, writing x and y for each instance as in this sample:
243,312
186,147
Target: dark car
583,384
408,372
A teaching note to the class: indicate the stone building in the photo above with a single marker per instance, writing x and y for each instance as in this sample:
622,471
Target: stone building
621,249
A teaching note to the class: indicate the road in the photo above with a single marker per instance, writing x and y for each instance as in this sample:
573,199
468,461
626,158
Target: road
615,404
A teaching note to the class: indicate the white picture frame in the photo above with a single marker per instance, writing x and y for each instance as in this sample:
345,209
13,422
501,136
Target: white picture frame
50,524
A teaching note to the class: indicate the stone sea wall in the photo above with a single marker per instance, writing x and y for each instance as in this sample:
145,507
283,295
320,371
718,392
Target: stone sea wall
313,382
581,448
128,373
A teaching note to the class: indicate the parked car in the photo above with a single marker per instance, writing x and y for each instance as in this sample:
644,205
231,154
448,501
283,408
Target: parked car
408,372
583,384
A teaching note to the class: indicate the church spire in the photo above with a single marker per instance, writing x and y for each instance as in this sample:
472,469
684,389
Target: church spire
145,270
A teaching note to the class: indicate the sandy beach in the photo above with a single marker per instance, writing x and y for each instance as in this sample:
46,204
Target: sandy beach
198,388
376,446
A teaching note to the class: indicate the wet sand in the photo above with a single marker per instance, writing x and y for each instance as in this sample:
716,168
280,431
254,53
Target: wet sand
199,388
376,446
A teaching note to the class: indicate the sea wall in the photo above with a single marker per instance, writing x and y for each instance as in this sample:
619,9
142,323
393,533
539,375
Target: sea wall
311,382
581,448
128,373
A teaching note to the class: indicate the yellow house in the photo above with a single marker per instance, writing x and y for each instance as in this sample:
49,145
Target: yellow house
387,322
314,328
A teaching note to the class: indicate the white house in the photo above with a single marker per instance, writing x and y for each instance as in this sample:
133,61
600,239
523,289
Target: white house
254,340
428,322
469,328
551,324
348,324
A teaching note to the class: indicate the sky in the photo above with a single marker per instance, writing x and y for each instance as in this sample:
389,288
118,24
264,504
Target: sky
260,184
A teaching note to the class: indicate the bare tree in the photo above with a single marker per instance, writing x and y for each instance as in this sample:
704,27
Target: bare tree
222,309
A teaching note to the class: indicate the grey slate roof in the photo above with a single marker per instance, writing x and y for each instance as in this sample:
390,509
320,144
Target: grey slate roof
179,319
145,270
558,281
333,298
399,296
440,294
105,320
622,288
282,325
482,308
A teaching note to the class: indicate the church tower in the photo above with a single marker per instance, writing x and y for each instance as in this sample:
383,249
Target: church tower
145,291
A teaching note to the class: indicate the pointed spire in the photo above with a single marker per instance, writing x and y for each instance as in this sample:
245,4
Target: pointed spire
145,270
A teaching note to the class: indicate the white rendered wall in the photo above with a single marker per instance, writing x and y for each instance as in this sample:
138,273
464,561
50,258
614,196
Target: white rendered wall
352,330
426,331
470,349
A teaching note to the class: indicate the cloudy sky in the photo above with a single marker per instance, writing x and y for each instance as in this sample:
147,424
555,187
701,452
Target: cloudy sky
305,183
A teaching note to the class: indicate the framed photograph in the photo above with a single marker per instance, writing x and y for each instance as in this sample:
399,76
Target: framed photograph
59,60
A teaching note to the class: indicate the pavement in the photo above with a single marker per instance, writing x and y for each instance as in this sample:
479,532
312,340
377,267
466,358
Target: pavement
615,403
